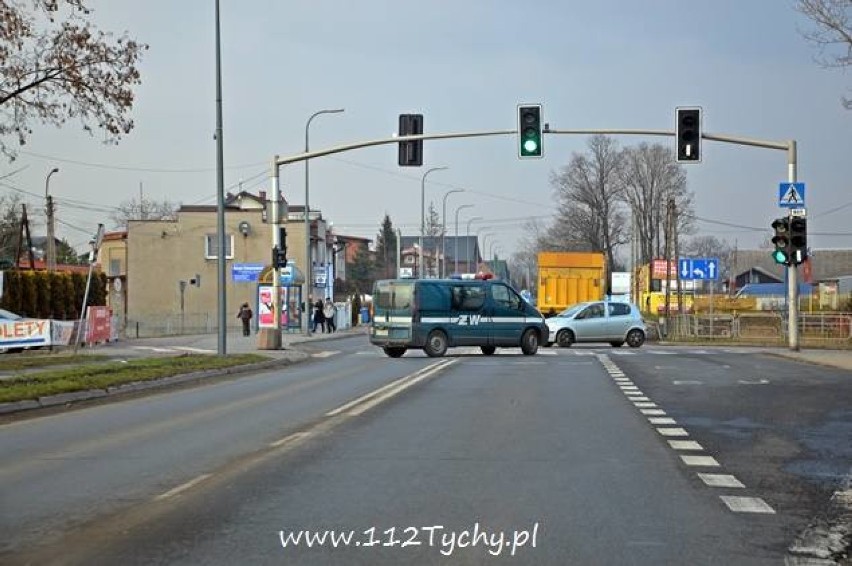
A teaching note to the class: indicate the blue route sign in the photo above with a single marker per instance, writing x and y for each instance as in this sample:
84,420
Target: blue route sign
791,195
246,272
699,269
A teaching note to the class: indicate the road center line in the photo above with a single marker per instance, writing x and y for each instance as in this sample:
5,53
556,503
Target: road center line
182,487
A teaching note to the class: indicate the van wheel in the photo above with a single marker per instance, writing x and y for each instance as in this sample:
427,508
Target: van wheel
394,351
529,342
488,350
436,344
635,338
565,338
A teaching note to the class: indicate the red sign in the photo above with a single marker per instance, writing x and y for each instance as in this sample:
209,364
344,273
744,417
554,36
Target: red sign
658,269
97,325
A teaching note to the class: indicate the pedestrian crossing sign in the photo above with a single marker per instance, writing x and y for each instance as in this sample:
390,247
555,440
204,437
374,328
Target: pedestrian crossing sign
791,195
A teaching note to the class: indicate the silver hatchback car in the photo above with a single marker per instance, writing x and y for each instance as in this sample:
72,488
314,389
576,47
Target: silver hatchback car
598,321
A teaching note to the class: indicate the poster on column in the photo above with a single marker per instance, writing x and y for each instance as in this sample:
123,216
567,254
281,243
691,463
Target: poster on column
265,314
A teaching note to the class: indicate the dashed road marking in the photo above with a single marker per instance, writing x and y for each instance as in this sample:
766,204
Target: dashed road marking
747,504
182,487
720,480
288,439
705,461
674,431
662,421
196,350
638,398
645,404
685,445
325,353
652,411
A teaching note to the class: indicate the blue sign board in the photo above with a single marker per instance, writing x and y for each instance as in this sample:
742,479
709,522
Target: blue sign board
791,195
246,272
700,269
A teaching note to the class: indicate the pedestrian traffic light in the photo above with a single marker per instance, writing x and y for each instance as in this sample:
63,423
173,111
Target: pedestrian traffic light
688,135
411,152
781,241
798,240
529,131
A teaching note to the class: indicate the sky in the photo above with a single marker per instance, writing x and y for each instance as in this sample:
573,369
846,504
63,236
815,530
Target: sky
465,66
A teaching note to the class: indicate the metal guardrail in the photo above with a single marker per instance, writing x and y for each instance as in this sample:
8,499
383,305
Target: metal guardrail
822,327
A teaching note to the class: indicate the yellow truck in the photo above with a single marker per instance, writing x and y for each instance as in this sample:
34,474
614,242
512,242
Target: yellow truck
567,278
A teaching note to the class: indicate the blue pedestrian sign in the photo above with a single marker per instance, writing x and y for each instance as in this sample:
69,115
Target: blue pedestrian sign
791,195
698,269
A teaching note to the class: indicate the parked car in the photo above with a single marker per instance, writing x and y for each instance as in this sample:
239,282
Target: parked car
598,321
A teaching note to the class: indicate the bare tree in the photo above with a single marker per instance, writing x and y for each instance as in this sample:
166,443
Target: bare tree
833,33
651,177
143,209
55,65
589,191
524,262
711,246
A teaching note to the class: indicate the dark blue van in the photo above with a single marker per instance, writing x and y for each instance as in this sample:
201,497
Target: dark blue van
436,314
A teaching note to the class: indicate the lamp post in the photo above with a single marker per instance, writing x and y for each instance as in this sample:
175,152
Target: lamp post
444,231
467,239
51,239
456,254
309,272
484,239
423,213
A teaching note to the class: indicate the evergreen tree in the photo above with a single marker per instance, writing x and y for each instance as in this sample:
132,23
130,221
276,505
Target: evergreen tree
386,267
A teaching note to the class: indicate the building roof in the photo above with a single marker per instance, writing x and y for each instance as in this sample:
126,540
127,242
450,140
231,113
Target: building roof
468,246
771,290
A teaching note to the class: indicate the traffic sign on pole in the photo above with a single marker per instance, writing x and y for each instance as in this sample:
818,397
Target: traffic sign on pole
791,195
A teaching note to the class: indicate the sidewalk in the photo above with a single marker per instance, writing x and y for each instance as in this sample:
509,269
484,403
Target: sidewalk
841,359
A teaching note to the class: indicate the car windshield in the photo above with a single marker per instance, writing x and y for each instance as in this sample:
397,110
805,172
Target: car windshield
571,311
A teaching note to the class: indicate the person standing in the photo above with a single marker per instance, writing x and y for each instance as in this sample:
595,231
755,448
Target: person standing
319,318
245,315
329,312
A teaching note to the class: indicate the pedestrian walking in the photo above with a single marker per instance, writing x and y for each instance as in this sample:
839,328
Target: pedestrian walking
329,312
319,318
245,315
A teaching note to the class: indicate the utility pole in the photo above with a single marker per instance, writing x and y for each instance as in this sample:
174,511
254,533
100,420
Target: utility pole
677,258
50,248
668,254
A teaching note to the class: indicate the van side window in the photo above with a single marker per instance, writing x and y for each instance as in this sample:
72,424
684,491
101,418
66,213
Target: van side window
468,298
506,297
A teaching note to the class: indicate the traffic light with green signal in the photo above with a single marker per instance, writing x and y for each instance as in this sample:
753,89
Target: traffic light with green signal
798,240
529,131
781,241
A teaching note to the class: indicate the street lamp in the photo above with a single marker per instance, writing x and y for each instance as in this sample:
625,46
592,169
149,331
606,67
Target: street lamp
456,254
309,272
51,240
467,238
444,231
484,239
423,212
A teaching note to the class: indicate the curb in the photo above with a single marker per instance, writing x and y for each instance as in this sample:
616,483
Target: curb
90,394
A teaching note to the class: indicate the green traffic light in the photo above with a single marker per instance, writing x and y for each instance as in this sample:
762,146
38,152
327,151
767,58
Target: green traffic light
530,146
780,256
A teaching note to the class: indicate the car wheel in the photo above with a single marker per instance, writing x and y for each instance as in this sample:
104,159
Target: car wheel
394,351
529,342
565,338
617,344
436,344
488,350
635,338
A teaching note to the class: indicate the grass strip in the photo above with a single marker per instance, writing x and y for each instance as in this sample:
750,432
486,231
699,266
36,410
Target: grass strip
29,362
107,374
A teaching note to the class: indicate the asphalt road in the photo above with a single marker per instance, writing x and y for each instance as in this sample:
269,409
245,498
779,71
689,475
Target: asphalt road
557,452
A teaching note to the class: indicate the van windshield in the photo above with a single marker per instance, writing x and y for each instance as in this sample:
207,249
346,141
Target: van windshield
393,298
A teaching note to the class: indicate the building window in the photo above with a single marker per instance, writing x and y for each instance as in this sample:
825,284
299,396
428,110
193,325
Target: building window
114,267
211,246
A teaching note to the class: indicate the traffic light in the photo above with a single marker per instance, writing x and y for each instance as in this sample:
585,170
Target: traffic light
688,135
279,252
411,152
529,131
781,240
798,240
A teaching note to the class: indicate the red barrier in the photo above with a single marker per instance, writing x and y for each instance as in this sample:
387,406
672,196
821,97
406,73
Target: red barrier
97,325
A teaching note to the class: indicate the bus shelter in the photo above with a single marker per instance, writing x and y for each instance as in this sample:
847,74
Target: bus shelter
291,279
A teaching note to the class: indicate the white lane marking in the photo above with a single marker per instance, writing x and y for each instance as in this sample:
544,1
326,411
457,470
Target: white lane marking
645,404
370,403
652,411
631,394
686,382
661,421
628,387
662,353
183,487
152,349
685,445
675,431
325,353
197,350
547,353
747,504
720,480
287,439
757,382
704,461
638,398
